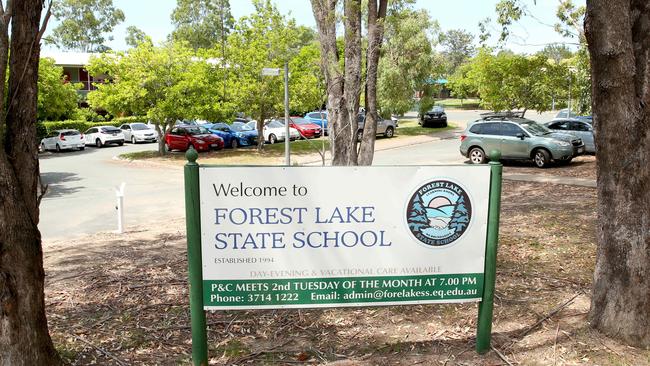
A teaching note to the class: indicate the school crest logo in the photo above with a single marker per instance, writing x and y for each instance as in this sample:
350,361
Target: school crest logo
438,213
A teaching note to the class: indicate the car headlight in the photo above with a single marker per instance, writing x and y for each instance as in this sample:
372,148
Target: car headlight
563,143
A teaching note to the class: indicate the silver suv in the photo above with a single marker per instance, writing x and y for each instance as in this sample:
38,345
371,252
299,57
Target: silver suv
518,139
385,127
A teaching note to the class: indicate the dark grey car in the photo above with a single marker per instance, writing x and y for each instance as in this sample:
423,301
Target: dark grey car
578,128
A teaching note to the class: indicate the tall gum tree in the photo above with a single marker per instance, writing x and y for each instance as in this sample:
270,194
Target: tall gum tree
24,337
344,80
620,63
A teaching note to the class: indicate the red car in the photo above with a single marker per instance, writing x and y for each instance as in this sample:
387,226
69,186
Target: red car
307,129
182,137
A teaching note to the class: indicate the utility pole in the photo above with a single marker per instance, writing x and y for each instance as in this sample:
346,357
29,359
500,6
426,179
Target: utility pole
287,136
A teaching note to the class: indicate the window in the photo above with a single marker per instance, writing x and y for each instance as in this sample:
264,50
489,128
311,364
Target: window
361,118
509,129
491,129
578,126
70,133
562,125
92,130
125,127
477,129
175,131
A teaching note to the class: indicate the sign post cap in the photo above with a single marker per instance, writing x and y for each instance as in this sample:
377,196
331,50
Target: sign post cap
495,155
191,155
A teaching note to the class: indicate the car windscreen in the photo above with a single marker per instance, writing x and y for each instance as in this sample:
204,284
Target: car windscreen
70,133
197,131
275,124
437,109
300,121
240,127
110,129
139,127
535,128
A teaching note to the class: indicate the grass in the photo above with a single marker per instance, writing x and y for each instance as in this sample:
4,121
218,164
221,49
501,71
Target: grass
459,103
410,127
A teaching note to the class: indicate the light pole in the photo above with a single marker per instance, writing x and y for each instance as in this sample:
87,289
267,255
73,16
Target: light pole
287,131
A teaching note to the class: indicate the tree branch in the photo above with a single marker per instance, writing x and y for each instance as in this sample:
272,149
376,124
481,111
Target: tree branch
46,20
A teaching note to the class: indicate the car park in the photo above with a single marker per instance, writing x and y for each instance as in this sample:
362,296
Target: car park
275,131
182,137
578,128
518,138
63,140
104,135
318,118
230,136
306,128
138,132
436,117
385,127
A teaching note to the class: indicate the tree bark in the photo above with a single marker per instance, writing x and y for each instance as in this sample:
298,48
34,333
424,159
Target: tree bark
352,91
376,16
620,48
24,337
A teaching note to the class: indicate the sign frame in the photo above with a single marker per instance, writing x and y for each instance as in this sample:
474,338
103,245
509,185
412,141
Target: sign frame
194,257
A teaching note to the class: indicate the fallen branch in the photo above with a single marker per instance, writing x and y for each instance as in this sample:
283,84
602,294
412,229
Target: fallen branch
103,351
257,354
548,316
501,356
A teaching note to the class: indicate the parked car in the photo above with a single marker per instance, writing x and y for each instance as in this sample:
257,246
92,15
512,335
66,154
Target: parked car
103,135
306,128
63,140
245,131
436,117
230,136
138,132
275,131
318,118
385,127
578,128
566,114
183,136
518,139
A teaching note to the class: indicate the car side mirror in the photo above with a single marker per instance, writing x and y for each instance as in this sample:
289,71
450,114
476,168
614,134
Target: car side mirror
521,136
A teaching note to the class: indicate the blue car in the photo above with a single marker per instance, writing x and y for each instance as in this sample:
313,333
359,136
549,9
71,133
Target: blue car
231,137
318,118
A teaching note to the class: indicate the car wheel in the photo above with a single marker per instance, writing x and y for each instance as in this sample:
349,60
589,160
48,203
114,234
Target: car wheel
541,158
390,132
167,148
133,140
272,139
234,144
58,148
82,148
42,149
98,143
477,155
120,143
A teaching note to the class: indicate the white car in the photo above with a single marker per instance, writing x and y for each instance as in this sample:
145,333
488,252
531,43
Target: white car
275,131
138,132
63,140
102,135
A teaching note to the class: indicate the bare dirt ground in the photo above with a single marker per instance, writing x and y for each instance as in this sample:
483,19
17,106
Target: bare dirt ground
581,167
122,300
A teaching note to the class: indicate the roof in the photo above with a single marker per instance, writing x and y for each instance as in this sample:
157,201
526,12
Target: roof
70,58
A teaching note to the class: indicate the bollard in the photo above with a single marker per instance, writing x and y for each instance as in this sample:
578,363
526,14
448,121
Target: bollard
119,193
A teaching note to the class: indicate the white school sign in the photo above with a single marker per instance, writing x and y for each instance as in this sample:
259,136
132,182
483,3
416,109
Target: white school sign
275,237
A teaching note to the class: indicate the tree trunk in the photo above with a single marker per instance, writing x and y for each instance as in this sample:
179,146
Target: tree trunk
260,130
376,18
352,91
620,64
24,337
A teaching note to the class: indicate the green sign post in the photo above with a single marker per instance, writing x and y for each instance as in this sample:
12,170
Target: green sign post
232,292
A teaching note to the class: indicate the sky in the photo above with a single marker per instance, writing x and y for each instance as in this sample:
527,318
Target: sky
531,34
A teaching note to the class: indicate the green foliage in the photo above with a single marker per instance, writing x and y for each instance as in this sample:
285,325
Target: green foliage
556,52
135,36
83,24
202,23
89,115
460,83
571,20
306,84
408,64
57,98
266,39
165,84
458,47
507,81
